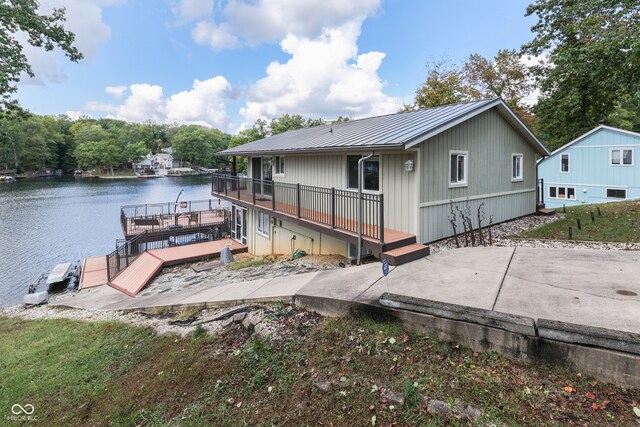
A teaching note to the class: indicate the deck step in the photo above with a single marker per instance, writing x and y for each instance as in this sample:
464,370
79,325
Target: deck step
400,243
546,212
406,254
132,279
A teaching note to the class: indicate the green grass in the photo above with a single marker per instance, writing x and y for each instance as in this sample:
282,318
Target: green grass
618,222
80,373
238,265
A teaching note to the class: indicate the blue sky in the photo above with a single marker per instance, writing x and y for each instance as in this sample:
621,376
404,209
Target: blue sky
259,58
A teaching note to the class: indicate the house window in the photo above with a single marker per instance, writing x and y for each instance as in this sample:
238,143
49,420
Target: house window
568,193
279,165
264,222
516,167
564,163
621,157
458,168
371,173
616,193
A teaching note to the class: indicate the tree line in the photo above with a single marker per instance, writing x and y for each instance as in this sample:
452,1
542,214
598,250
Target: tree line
30,142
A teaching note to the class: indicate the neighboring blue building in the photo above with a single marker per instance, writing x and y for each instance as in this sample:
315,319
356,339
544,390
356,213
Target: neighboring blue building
597,167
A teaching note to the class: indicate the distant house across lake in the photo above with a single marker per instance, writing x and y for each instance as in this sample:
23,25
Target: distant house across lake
597,167
158,164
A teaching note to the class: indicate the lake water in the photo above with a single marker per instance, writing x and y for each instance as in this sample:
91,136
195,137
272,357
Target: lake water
49,221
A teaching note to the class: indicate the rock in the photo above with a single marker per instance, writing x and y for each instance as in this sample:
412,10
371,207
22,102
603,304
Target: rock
252,319
466,411
239,317
227,322
393,398
438,407
263,330
225,255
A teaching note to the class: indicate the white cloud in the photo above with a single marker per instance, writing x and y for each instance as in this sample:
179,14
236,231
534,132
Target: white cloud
75,115
217,37
203,104
116,91
529,61
84,19
191,10
325,77
254,22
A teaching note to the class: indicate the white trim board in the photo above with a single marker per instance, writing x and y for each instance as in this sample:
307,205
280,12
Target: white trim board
592,131
480,196
589,185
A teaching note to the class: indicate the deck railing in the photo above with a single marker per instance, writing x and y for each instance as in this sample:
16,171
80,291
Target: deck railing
169,216
127,250
331,207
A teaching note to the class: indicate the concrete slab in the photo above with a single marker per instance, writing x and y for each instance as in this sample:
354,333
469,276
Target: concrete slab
584,287
342,284
465,276
282,287
92,299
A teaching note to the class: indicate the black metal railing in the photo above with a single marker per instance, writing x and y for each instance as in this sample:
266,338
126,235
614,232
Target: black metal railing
157,217
127,250
540,191
335,208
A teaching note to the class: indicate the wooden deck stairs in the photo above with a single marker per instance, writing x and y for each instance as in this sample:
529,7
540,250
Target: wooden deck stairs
145,267
541,210
404,250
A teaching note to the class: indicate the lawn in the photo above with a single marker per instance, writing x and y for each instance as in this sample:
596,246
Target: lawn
612,222
328,372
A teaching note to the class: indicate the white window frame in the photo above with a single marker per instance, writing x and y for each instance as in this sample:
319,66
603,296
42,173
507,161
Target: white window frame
616,198
260,224
279,166
566,191
364,190
465,182
519,177
568,162
621,150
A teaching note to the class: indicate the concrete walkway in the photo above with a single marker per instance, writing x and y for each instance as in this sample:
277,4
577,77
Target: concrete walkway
586,287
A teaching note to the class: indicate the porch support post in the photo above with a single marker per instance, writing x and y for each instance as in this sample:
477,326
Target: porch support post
234,166
253,187
381,218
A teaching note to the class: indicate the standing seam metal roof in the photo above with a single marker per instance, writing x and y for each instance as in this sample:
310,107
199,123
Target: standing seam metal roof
392,130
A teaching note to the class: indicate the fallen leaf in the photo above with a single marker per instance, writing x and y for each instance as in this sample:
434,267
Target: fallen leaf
568,389
231,401
636,411
590,395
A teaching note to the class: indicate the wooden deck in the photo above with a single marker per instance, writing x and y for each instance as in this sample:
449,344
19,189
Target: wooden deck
134,278
192,220
94,272
320,221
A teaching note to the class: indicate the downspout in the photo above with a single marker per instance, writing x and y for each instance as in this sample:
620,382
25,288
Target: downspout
360,210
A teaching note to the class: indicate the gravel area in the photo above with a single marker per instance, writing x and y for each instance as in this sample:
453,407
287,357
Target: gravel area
503,235
160,322
184,277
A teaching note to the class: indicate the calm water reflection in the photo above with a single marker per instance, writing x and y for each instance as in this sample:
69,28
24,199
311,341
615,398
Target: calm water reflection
48,221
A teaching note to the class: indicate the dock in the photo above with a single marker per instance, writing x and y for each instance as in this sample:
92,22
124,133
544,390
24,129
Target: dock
147,265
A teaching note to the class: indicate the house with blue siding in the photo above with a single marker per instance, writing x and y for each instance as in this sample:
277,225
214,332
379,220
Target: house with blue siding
597,167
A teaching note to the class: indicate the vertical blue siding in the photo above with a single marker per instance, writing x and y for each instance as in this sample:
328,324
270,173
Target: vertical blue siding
590,172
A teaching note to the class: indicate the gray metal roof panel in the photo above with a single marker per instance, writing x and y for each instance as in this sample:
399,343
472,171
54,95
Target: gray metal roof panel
380,131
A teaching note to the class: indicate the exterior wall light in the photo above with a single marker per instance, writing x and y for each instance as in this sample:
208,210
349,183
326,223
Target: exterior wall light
408,165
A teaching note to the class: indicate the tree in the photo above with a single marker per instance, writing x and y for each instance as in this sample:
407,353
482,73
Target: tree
593,63
135,151
198,144
445,84
43,31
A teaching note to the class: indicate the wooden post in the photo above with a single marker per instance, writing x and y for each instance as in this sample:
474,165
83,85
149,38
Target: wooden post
273,196
570,233
599,213
234,165
238,185
579,225
593,219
